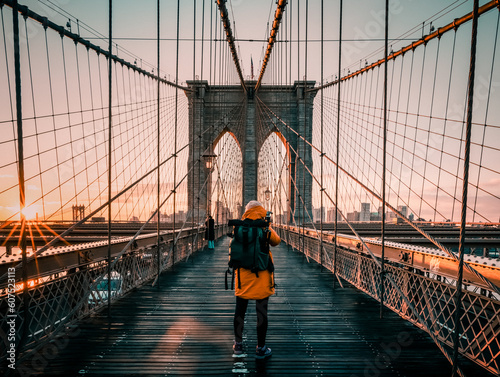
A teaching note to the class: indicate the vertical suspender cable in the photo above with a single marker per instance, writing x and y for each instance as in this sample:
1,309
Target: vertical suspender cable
230,40
194,40
195,237
384,152
211,41
297,163
110,75
321,146
304,207
20,172
298,39
290,19
201,68
202,37
470,88
486,112
339,81
281,4
175,126
289,181
158,139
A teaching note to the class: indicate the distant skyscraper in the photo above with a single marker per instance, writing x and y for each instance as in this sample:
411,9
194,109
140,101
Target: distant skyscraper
317,214
330,215
364,215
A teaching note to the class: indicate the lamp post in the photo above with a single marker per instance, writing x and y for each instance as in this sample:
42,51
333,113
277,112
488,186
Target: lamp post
209,164
209,160
267,194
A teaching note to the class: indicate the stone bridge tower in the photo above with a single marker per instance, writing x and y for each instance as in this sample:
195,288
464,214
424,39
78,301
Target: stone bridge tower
214,110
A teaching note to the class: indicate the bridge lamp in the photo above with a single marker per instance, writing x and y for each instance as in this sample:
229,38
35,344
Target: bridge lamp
267,194
209,160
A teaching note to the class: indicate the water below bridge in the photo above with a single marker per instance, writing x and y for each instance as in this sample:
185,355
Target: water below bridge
185,329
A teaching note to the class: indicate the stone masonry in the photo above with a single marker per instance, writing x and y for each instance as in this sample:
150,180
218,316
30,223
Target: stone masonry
214,110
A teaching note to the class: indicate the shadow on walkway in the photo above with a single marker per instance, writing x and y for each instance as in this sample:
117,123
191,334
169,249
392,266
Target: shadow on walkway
185,328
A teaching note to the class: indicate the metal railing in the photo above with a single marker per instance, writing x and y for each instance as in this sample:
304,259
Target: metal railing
64,296
426,299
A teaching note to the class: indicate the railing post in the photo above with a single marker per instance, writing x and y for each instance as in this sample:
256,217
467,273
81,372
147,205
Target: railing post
461,248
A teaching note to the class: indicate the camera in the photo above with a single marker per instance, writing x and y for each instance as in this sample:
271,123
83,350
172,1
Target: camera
268,216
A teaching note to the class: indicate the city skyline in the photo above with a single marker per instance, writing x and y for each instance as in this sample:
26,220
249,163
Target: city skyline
65,127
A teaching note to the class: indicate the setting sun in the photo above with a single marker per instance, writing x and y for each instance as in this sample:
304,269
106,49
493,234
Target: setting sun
30,212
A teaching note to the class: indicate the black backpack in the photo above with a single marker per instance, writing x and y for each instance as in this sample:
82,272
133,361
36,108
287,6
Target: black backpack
249,247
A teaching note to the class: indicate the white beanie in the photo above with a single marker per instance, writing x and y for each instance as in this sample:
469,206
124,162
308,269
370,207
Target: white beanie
252,203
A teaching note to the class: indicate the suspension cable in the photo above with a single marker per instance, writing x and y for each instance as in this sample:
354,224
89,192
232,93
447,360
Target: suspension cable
461,246
384,159
230,39
110,135
335,248
395,211
272,38
423,41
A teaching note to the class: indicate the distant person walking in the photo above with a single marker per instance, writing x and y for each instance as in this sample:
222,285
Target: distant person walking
210,232
254,286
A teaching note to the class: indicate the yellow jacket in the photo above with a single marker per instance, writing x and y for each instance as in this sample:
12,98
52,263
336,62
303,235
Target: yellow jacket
253,287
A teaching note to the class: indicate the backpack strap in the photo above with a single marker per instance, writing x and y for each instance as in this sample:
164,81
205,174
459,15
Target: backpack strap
239,279
228,271
245,231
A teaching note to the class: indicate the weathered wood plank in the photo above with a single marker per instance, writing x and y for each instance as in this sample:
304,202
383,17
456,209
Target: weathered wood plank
185,329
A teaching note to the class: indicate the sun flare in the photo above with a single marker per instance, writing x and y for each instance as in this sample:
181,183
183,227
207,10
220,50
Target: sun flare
30,212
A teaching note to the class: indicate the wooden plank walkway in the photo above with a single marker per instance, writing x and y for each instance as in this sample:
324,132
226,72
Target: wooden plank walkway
185,329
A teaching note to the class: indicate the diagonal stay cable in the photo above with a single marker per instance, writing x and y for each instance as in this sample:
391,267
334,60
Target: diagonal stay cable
101,207
395,211
388,277
26,12
423,41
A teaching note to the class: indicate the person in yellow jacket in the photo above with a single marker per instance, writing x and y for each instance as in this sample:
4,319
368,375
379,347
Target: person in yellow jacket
253,287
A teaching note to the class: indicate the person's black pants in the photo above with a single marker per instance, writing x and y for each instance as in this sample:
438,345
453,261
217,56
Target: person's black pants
239,319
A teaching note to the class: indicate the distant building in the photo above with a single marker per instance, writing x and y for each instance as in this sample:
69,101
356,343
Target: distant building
78,212
164,218
353,216
317,214
330,215
364,215
181,216
395,218
285,217
390,216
